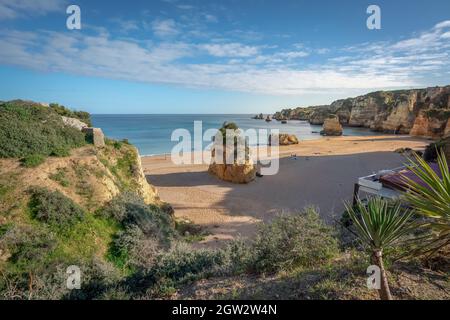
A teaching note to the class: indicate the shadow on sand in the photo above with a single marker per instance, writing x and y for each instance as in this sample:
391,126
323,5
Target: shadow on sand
320,181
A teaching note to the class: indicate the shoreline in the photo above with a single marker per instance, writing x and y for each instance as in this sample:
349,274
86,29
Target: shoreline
322,175
286,149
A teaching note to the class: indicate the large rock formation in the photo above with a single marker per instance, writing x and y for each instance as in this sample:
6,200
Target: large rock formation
421,112
96,136
235,173
284,139
226,163
74,123
332,127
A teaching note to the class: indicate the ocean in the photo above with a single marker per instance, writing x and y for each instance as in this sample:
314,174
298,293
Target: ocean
151,133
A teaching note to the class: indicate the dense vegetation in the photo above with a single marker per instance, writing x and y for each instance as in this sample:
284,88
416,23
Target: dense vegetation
146,257
80,115
30,129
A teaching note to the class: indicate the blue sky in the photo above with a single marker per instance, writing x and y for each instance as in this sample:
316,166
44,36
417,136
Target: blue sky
236,56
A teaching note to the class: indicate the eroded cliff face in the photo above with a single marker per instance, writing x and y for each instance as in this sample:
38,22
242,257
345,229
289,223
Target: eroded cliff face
419,112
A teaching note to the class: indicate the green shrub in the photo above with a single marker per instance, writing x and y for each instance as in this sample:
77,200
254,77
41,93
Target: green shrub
131,248
60,177
28,128
291,241
80,115
97,282
129,209
432,150
98,279
28,247
147,229
33,160
182,264
189,231
239,257
60,151
54,208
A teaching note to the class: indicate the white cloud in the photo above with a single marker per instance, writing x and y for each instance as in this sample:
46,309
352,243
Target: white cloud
293,54
442,25
164,28
12,9
230,50
248,68
446,35
185,7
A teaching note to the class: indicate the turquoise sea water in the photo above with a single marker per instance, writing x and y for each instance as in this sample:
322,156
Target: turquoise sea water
151,133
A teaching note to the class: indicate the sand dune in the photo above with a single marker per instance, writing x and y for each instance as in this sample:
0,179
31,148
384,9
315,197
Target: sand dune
322,176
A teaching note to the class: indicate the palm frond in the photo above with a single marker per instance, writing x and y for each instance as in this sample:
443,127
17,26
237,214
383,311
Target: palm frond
432,199
380,223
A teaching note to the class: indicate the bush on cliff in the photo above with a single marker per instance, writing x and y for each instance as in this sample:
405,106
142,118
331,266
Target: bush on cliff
54,208
28,128
291,241
80,115
32,160
146,231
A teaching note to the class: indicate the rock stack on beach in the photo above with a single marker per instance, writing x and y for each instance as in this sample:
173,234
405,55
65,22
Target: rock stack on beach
284,139
226,164
332,127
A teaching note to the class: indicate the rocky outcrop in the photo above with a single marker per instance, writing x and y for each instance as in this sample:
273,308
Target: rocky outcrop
332,126
294,114
432,127
421,112
95,136
284,139
235,173
259,117
144,189
447,129
226,164
74,123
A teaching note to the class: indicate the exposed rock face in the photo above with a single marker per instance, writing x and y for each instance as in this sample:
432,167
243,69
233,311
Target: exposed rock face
284,139
447,129
294,114
75,123
244,172
96,136
235,173
421,112
332,127
319,115
145,190
259,117
430,126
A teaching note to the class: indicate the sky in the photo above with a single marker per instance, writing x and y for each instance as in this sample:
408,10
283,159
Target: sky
228,56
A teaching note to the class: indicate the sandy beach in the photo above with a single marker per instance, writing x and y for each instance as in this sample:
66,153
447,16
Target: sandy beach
323,175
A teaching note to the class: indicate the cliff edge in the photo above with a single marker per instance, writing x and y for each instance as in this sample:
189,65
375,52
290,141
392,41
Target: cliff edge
418,112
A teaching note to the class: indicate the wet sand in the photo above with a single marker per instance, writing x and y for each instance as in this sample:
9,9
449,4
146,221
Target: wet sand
323,176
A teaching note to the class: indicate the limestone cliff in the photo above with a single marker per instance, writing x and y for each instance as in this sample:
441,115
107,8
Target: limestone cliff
420,112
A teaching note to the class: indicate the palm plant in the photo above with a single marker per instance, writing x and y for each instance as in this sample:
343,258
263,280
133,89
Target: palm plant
431,199
379,224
